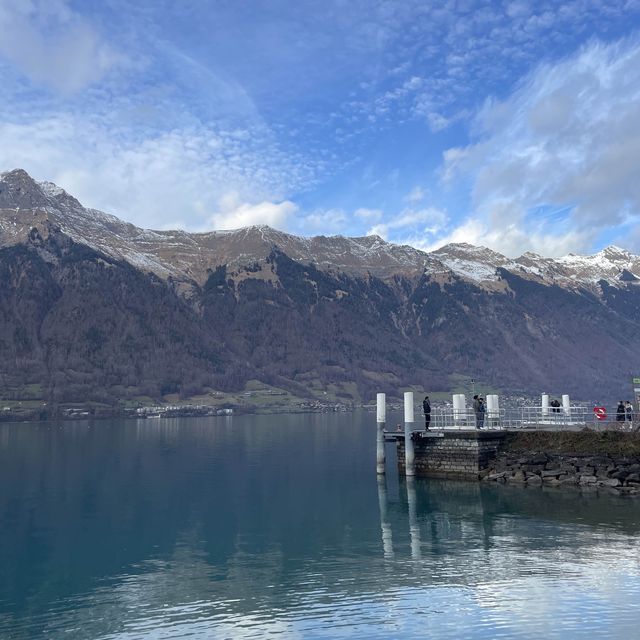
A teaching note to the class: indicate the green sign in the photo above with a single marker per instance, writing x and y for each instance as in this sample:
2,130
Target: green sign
636,381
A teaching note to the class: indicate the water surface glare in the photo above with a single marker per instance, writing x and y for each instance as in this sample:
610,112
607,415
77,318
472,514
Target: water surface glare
277,526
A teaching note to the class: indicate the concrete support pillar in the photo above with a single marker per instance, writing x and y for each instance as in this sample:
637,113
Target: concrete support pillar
409,455
493,409
385,526
414,528
566,405
545,405
496,410
459,408
381,417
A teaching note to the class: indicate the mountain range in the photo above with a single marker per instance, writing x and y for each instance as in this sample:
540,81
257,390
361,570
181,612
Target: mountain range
94,308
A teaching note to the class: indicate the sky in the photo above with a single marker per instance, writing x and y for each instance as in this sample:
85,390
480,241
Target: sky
514,125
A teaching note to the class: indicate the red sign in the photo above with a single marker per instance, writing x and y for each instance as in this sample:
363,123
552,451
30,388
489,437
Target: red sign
600,413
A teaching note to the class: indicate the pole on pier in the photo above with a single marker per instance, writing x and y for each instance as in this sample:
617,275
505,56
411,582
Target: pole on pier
409,455
496,410
545,405
566,405
458,407
381,417
493,408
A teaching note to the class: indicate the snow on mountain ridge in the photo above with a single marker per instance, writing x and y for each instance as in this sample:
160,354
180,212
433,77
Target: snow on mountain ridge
51,189
191,255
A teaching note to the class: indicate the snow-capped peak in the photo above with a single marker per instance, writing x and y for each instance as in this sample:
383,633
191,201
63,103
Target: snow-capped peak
51,189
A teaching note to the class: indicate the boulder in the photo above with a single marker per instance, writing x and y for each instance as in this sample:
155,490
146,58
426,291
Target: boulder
609,482
621,474
538,458
633,478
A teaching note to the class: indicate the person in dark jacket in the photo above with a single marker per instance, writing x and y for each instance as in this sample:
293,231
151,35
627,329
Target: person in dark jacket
480,413
620,412
476,409
426,407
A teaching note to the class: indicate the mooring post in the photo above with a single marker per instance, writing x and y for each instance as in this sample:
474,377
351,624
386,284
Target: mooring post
545,405
566,405
493,410
458,408
381,410
409,455
462,404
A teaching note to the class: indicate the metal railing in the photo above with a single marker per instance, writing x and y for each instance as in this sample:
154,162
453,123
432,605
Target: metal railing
532,417
466,419
572,416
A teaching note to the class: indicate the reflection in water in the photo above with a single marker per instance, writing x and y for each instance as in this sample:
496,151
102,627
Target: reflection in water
387,536
414,529
278,526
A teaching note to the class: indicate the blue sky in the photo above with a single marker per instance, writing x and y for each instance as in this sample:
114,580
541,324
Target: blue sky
514,124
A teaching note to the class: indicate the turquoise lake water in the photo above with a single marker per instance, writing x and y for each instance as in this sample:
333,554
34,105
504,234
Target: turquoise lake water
277,527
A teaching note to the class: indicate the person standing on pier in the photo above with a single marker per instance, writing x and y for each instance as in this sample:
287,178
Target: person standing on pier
620,412
426,407
480,413
628,409
476,408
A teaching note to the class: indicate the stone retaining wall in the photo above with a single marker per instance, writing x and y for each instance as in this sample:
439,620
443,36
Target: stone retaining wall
534,469
454,454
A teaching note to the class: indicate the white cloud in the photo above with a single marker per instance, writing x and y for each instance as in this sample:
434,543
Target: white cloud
53,45
416,195
509,239
322,221
370,215
569,137
234,214
411,223
155,179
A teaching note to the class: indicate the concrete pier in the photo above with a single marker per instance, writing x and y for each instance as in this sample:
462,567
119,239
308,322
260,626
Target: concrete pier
452,454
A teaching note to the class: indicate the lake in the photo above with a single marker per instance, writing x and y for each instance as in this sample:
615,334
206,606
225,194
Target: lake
277,526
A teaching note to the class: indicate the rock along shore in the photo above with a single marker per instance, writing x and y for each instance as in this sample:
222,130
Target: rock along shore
585,459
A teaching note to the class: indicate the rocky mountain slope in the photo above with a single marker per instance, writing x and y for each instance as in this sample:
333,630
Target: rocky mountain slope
93,307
